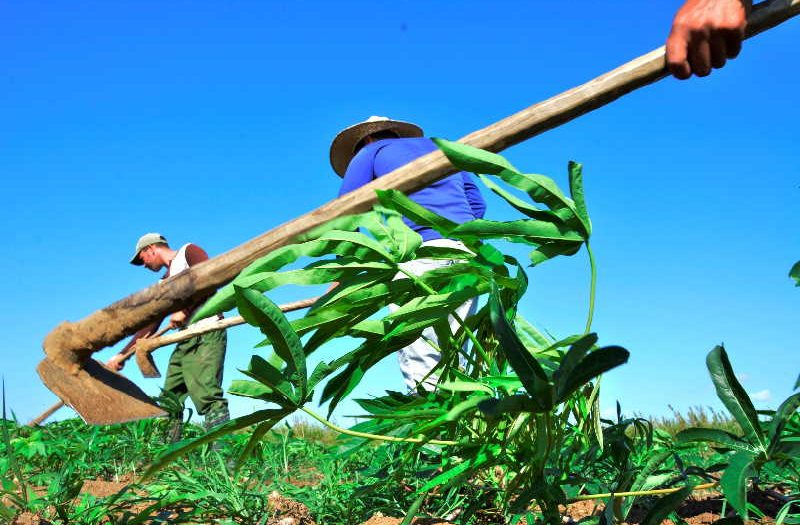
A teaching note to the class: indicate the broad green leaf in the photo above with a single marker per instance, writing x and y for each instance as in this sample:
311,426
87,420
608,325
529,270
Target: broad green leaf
520,205
396,200
402,240
260,311
320,372
597,362
644,479
472,159
545,191
715,435
734,481
245,388
574,356
523,363
576,191
732,395
268,374
785,411
553,249
666,505
539,340
525,231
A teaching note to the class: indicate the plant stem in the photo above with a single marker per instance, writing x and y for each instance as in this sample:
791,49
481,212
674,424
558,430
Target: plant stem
476,344
639,492
592,287
377,437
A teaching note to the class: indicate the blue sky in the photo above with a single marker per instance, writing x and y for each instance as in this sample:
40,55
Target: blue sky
211,121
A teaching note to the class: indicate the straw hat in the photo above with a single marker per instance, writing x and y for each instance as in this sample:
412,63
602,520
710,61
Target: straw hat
343,146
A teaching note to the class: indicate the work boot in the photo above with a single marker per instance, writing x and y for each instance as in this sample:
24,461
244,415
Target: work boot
216,417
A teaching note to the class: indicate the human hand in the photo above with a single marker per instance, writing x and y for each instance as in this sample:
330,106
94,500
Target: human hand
177,320
705,33
116,363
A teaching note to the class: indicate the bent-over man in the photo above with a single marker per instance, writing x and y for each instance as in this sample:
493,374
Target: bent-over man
196,365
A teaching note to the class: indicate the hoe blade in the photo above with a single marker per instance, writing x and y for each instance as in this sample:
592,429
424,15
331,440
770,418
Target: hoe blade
147,366
98,395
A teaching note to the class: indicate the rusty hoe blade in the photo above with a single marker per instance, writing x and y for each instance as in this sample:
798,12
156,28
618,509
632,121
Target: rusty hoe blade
97,394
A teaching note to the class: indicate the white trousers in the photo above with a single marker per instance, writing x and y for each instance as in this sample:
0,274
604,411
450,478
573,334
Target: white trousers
420,357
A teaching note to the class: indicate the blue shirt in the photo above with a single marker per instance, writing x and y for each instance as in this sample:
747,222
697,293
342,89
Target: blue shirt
455,197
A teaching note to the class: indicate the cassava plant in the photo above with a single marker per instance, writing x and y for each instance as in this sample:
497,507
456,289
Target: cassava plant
499,423
775,439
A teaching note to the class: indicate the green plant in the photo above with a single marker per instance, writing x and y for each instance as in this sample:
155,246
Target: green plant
522,396
775,440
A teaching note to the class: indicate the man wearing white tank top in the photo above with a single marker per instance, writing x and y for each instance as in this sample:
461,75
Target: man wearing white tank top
196,365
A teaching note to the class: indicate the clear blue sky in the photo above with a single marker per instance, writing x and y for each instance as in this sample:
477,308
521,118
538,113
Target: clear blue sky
211,121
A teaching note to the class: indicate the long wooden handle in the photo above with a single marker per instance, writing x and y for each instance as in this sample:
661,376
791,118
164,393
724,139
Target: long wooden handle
151,343
70,344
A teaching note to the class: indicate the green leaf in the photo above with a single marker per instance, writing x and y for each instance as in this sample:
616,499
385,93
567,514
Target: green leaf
715,435
494,408
396,200
475,160
576,191
552,250
231,426
524,231
259,311
733,396
245,388
255,437
519,204
524,364
598,362
465,386
734,481
666,505
794,273
782,416
462,470
545,191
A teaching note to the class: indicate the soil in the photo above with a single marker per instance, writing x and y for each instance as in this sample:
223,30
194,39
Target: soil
702,509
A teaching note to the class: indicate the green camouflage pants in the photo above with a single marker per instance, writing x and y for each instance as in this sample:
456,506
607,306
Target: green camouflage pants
195,370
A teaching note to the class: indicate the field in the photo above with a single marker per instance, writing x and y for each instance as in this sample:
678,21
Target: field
513,433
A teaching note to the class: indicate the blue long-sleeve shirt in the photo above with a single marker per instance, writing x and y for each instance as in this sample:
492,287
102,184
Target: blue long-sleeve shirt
455,197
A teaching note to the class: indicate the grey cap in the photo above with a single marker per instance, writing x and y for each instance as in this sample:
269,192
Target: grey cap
148,239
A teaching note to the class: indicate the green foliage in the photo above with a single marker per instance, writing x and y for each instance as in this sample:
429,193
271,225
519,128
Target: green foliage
516,432
761,442
794,273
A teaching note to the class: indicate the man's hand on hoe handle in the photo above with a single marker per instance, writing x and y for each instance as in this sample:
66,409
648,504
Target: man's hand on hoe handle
704,35
117,361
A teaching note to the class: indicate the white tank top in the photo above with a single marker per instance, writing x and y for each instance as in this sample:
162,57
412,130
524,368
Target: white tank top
180,264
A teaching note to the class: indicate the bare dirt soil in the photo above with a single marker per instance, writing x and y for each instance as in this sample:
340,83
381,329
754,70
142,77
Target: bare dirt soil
702,509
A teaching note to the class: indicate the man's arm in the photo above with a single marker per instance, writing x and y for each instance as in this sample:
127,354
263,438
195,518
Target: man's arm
474,196
705,33
116,362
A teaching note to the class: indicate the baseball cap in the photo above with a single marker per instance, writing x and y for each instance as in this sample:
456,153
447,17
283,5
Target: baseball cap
144,241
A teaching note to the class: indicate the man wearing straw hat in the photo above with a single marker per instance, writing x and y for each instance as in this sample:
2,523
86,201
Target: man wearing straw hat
196,365
378,146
